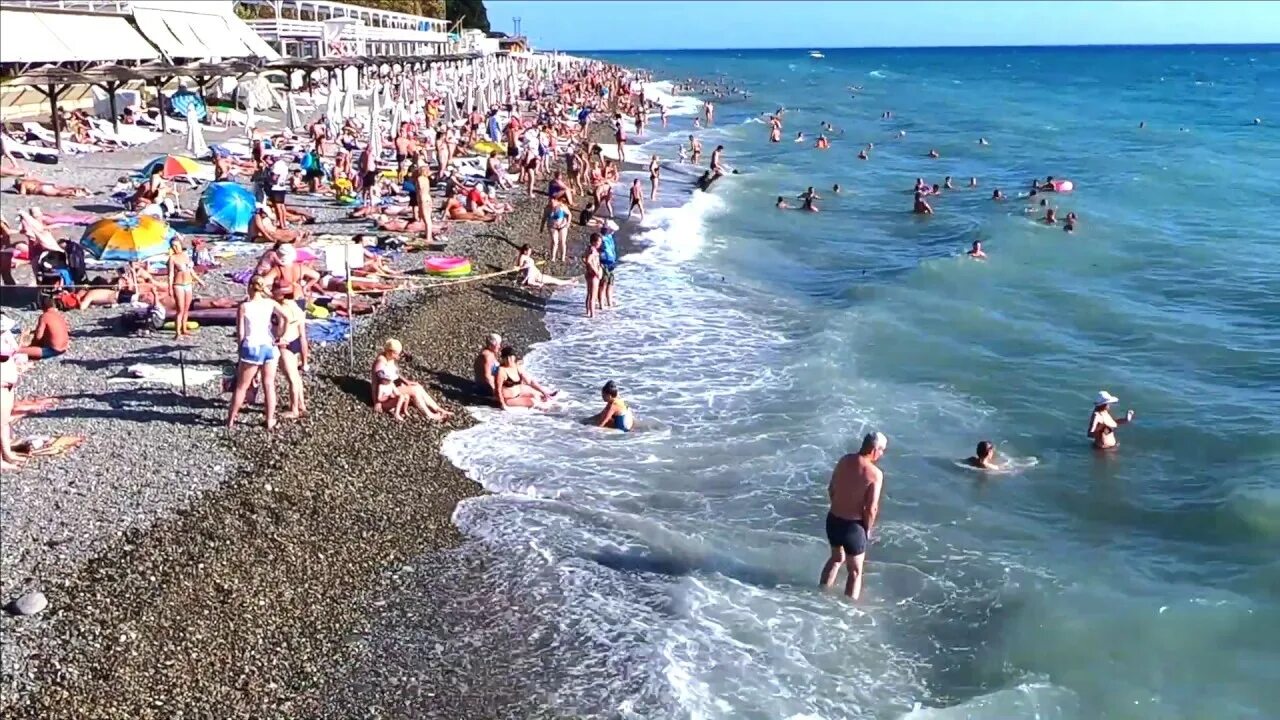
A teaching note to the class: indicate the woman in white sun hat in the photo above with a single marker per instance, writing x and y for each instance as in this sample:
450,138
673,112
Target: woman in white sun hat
1102,427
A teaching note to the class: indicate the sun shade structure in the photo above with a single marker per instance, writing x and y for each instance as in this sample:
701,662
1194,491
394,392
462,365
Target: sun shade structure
42,35
198,30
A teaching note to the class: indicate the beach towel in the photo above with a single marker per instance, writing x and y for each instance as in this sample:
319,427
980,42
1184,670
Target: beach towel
70,219
328,331
165,375
44,446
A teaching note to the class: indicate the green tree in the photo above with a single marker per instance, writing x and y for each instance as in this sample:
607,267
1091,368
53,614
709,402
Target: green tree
470,12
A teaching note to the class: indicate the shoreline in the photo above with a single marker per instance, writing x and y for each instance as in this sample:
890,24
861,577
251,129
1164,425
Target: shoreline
245,601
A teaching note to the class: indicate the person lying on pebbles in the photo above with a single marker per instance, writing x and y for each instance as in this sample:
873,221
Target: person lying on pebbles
36,186
263,229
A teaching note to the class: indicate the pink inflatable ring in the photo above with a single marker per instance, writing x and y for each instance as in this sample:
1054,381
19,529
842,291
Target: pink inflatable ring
1063,186
448,266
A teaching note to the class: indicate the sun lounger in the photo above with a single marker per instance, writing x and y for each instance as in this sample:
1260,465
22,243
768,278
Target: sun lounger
29,152
127,135
43,134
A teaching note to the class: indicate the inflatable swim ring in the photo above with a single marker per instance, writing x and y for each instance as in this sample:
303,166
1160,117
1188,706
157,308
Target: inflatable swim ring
1063,186
448,266
487,146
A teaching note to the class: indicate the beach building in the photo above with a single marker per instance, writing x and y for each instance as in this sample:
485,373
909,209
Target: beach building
319,29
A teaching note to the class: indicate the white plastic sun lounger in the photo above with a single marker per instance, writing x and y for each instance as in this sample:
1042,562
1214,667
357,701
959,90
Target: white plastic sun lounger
28,152
43,134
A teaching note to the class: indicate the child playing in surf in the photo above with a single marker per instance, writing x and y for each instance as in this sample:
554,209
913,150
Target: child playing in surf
616,414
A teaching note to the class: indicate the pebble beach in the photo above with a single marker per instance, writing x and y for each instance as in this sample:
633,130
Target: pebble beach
191,571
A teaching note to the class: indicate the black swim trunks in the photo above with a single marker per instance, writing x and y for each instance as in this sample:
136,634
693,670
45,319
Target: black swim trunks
847,534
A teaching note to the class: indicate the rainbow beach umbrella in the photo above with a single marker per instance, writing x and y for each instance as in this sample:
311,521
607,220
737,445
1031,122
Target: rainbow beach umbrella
127,238
228,207
178,166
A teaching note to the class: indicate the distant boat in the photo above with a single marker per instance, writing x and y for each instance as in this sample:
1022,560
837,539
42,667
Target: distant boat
816,54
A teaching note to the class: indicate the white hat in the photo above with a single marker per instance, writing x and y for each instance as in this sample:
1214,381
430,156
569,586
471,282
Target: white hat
287,254
1105,398
611,226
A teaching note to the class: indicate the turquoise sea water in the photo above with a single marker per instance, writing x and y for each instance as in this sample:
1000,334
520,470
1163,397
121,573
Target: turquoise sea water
679,562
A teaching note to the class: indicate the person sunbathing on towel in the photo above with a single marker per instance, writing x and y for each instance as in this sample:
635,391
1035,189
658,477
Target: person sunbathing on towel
332,284
121,291
35,186
263,229
387,223
387,211
456,209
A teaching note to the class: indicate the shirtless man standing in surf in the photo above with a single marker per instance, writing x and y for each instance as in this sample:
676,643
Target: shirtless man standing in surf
855,506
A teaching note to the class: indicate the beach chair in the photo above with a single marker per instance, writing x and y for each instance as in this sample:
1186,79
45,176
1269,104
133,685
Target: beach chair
30,152
128,134
43,134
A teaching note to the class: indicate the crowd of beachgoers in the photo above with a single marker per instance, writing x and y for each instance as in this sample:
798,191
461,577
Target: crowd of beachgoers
153,297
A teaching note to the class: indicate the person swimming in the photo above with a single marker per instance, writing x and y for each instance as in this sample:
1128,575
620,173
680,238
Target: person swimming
616,414
984,457
997,195
976,252
809,196
782,203
921,206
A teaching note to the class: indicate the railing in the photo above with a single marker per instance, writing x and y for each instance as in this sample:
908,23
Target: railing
321,11
312,29
120,7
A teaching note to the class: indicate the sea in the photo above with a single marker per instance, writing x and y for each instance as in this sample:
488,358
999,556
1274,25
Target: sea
678,564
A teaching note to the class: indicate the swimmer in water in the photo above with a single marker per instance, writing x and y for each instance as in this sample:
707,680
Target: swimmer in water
1050,217
921,206
1142,124
1102,426
823,143
862,154
799,137
616,414
1070,225
976,252
946,183
983,141
997,195
973,182
835,189
902,133
984,457
781,204
808,196
934,154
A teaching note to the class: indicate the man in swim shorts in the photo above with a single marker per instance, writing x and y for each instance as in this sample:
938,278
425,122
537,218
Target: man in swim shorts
855,504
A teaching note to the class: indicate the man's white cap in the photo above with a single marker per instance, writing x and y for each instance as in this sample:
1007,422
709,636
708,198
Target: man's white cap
611,226
1105,398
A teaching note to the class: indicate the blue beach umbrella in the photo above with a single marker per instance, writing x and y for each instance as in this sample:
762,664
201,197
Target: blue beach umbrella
228,206
183,100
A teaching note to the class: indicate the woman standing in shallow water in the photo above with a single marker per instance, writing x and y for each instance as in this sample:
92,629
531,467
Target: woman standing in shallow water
1102,427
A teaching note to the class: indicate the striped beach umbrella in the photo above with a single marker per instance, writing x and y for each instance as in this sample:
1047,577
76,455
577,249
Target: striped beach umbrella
127,238
178,166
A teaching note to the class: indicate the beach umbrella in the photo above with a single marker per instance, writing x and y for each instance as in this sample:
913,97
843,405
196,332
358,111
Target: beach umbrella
291,111
178,166
196,145
127,238
375,128
250,105
227,206
183,101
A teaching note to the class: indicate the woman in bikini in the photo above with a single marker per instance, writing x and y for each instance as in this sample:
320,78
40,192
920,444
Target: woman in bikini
512,387
1102,426
392,393
182,280
293,347
655,170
